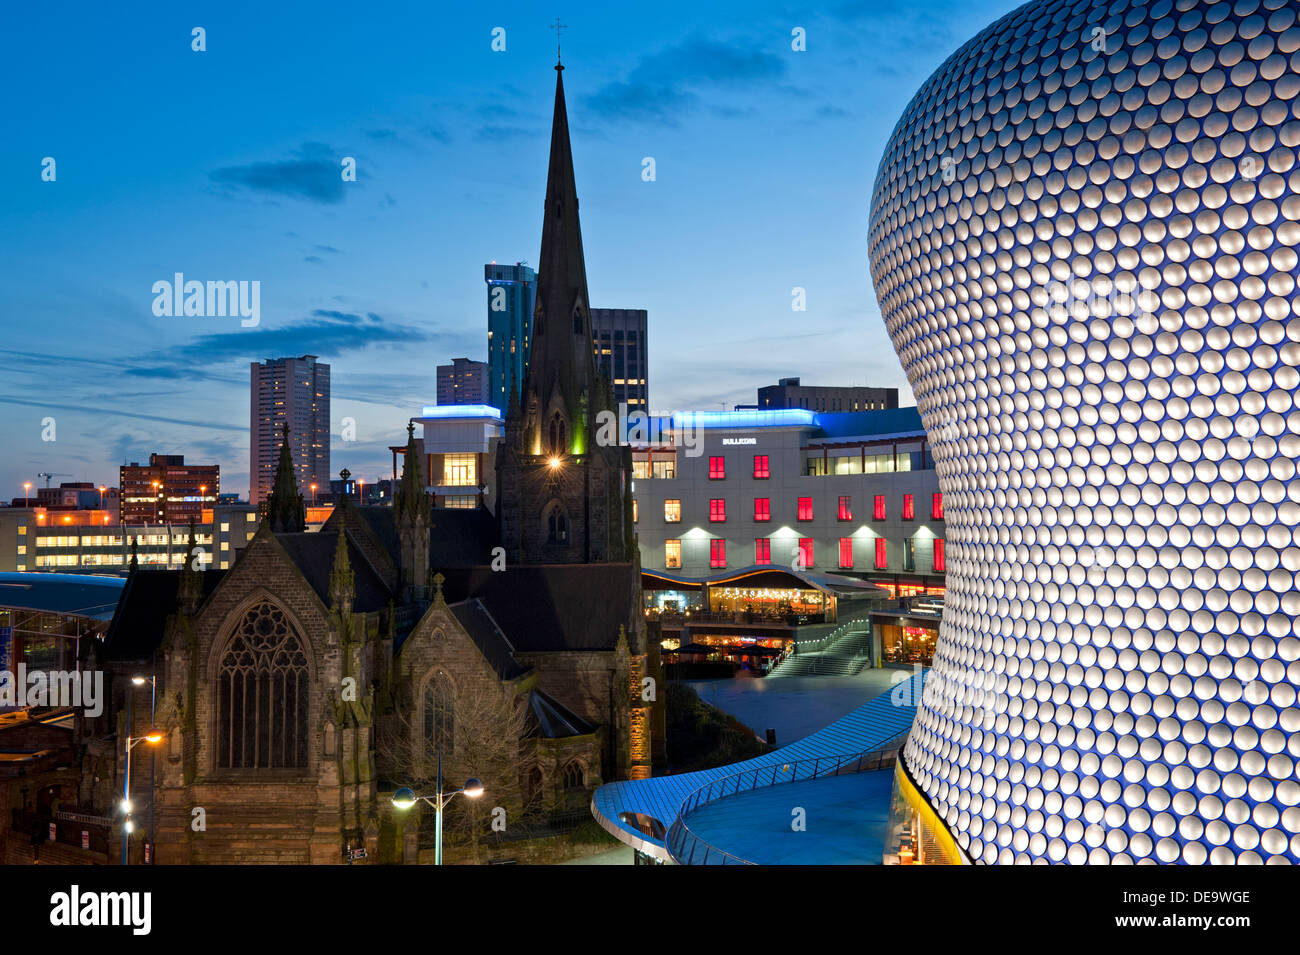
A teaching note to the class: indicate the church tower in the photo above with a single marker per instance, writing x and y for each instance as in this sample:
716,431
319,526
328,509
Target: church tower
561,497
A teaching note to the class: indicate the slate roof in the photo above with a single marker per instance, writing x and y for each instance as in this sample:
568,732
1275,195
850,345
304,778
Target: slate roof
147,600
551,719
461,537
487,636
313,553
551,606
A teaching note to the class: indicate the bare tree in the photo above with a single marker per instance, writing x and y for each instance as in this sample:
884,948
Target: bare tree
483,735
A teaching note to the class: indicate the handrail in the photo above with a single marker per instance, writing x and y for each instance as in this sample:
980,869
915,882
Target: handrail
681,836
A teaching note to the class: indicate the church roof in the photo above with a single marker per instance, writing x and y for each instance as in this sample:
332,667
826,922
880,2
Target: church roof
461,537
551,606
147,600
551,719
313,554
487,636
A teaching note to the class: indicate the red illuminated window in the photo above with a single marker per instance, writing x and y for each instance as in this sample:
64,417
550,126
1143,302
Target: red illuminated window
878,513
936,507
881,562
805,509
760,467
717,468
718,509
938,554
846,508
846,553
717,553
806,552
909,507
762,508
763,550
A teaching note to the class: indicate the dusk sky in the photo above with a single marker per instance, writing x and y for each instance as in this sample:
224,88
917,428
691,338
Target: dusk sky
225,165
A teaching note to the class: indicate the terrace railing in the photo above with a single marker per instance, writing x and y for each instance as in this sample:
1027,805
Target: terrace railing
688,848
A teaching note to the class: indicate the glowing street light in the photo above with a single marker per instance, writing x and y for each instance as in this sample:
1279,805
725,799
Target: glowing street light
405,798
313,494
153,737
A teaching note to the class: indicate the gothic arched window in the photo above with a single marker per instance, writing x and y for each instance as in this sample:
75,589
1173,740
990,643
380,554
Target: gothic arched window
571,776
558,435
263,695
557,526
439,710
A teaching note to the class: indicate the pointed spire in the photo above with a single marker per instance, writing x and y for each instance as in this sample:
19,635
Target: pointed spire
284,508
410,501
560,357
342,578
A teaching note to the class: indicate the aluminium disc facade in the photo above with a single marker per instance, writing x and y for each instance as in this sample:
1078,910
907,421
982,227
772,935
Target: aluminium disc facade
1083,238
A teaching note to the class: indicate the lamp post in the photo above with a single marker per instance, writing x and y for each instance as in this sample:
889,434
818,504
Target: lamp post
131,742
102,489
27,493
141,680
361,490
405,798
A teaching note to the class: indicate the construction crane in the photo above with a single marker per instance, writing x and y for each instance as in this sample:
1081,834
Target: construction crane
51,474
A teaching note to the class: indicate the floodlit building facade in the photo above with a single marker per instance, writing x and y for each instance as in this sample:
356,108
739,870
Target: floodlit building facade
1083,239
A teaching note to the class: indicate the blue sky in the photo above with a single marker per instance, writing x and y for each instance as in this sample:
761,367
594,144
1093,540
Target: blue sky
225,165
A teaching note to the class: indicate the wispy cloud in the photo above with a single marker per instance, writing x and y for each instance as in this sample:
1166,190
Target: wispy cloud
313,174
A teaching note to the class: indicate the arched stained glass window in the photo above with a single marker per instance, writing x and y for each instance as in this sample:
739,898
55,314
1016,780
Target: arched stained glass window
263,695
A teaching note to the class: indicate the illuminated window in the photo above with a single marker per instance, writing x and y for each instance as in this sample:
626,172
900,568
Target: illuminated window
762,508
761,470
665,469
672,554
636,514
717,468
458,470
938,555
641,470
846,553
878,512
805,553
763,550
909,507
717,553
672,510
717,509
846,508
936,506
881,562
805,509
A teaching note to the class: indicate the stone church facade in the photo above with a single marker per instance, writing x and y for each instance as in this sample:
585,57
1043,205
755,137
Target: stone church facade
301,687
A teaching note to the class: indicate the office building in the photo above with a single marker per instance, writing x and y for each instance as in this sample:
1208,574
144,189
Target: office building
512,295
293,391
166,490
623,353
463,382
789,393
458,455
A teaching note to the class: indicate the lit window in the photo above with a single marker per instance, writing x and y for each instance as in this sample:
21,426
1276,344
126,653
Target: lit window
881,562
878,513
763,550
846,553
938,555
846,508
672,554
805,553
636,513
762,508
761,470
717,553
250,517
936,506
805,509
909,507
458,470
717,509
672,510
641,470
717,468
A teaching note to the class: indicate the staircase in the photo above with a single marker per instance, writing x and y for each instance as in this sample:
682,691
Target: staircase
846,651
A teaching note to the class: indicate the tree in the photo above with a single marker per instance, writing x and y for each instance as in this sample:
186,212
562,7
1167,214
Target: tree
483,735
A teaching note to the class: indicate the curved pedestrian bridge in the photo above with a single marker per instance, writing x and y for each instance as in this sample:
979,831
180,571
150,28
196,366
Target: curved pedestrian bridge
642,812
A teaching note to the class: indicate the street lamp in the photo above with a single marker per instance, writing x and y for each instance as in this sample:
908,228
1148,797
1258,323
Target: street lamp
152,737
313,494
102,489
27,492
361,490
141,680
406,797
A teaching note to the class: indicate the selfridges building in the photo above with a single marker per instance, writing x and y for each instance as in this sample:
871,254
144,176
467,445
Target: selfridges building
1084,242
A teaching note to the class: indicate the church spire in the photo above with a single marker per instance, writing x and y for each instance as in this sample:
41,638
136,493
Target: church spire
284,508
561,369
410,499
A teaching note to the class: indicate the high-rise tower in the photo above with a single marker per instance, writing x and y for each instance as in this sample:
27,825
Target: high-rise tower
561,497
